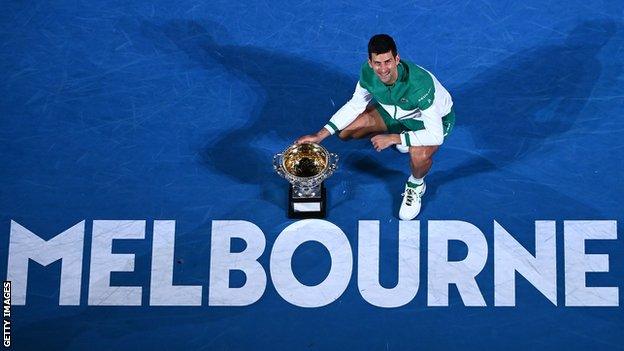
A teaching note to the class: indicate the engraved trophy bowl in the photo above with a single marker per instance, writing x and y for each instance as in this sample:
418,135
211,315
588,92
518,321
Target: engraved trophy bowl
305,166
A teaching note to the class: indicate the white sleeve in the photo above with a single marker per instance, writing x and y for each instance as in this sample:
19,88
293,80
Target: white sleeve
433,133
347,113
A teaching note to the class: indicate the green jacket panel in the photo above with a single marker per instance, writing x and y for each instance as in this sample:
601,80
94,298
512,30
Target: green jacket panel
413,89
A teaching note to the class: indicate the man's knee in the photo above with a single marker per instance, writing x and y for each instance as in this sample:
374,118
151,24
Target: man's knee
420,155
365,124
345,135
353,134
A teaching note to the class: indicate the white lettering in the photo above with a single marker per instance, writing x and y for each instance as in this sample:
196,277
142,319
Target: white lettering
67,247
284,280
162,290
368,264
441,272
577,263
103,262
511,257
222,261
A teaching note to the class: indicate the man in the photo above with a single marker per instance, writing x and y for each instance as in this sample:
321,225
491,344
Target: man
412,111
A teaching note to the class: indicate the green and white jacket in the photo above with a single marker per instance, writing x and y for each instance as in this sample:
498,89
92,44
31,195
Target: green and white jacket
416,94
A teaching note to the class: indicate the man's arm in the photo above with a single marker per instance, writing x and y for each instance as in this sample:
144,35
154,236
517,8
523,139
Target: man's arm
343,117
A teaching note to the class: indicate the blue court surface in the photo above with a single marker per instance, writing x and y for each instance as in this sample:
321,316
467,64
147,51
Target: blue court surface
123,122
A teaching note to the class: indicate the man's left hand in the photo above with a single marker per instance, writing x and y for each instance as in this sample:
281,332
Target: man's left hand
383,141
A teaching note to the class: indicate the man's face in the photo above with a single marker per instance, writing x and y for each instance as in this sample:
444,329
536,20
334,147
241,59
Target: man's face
385,66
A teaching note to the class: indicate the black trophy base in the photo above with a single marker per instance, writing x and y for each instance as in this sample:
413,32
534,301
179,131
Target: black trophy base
307,207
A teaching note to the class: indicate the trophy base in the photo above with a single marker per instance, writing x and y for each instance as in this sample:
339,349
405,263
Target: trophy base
307,207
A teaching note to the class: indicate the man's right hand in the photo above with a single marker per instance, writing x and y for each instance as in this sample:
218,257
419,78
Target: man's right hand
313,138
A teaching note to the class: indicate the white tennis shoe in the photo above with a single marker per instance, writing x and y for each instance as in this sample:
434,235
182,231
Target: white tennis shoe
410,206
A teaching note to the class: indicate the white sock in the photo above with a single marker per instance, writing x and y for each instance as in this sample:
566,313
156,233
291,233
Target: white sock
417,181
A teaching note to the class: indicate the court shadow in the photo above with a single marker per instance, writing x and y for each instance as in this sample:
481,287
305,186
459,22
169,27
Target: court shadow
530,97
293,97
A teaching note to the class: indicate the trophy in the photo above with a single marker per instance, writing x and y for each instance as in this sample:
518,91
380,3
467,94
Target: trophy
306,166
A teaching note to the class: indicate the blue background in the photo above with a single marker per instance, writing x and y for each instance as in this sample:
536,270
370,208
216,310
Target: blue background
173,110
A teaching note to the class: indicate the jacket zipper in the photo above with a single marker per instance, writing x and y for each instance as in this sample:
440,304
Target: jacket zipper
390,99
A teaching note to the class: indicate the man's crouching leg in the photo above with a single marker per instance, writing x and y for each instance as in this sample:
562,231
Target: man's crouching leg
366,124
421,159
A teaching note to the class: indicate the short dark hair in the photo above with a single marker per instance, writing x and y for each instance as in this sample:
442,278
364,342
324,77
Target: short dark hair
380,44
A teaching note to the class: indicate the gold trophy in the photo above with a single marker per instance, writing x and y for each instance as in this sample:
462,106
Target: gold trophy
305,166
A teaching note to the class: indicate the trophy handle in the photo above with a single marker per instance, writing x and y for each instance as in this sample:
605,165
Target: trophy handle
277,165
333,163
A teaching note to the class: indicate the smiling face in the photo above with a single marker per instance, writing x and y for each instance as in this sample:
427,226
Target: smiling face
385,66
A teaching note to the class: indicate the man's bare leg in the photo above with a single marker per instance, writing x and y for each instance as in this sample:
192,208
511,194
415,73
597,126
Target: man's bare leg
366,124
421,159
